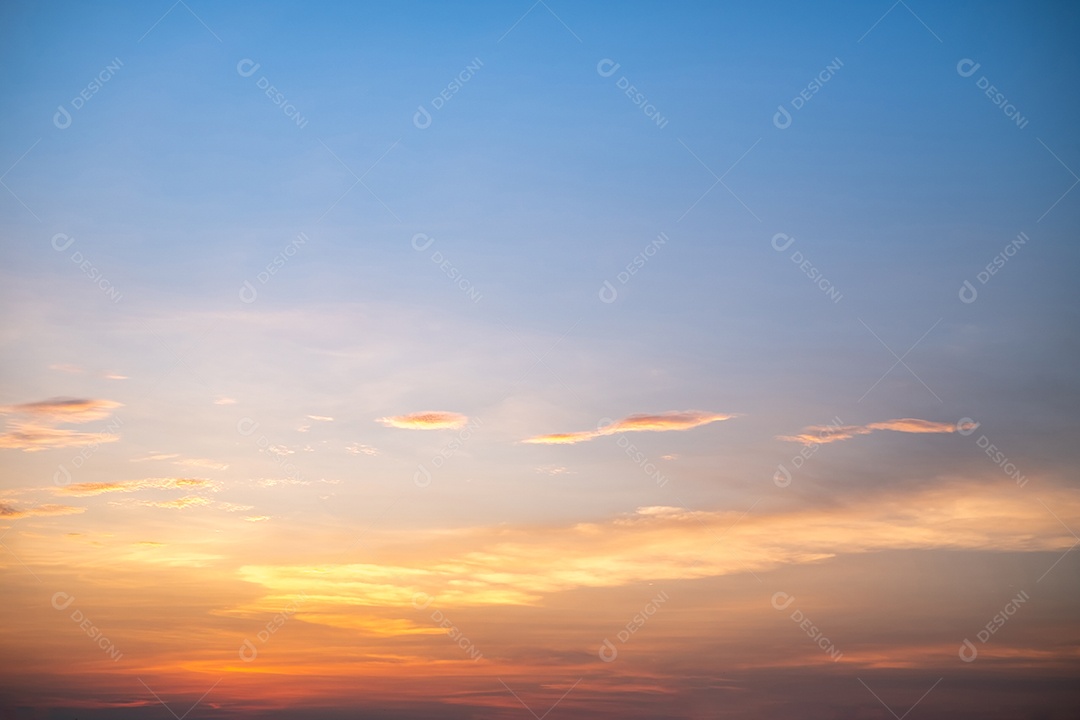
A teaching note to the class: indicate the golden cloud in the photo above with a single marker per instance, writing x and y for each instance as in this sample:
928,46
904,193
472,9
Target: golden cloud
645,422
178,504
128,486
427,420
7,512
519,565
37,431
64,410
821,434
32,438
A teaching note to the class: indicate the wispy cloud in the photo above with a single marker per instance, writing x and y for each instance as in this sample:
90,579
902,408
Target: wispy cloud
427,420
184,462
34,427
520,565
129,486
178,504
7,512
644,422
201,463
68,368
63,410
320,418
820,434
359,449
32,438
156,456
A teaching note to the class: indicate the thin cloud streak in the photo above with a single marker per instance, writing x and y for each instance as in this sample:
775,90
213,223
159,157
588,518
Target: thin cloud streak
129,486
643,422
64,410
426,420
821,434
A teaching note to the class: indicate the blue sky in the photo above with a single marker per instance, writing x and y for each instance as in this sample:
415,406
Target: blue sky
459,268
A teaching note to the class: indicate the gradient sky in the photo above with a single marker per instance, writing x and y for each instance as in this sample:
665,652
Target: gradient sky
509,360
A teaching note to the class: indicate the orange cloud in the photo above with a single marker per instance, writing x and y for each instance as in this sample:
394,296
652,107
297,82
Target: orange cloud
657,422
178,504
520,565
427,420
7,512
127,486
821,434
37,431
32,438
64,410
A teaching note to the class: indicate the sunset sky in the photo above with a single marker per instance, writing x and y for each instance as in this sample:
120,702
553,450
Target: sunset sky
503,360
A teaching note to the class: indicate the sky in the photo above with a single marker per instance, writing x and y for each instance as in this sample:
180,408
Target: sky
503,360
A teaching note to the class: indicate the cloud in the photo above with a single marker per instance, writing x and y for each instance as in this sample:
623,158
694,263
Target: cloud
225,401
202,463
185,462
359,449
32,438
645,422
320,418
67,368
508,565
7,512
115,376
821,434
233,507
36,430
273,482
427,420
157,456
63,410
178,504
128,486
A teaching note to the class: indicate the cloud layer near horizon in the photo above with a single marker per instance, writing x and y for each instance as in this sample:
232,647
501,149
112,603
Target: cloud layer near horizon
488,566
